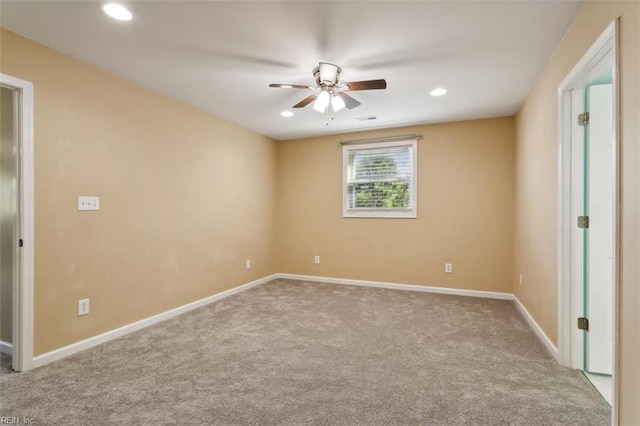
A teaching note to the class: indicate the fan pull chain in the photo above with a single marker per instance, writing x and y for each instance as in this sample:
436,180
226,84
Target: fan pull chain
329,112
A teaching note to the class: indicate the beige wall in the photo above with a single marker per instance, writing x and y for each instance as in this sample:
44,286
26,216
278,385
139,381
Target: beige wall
7,212
465,211
185,198
536,187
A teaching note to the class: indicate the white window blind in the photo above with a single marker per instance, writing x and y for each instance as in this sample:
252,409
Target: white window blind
380,179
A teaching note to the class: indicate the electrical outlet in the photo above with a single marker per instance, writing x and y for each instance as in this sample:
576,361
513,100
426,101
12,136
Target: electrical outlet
316,260
448,268
88,203
521,281
248,264
83,307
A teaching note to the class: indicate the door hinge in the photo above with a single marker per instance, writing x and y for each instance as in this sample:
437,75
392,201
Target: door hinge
583,222
583,119
20,242
583,324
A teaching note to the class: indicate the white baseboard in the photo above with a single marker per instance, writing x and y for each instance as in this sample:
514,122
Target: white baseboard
553,350
74,348
6,348
130,328
408,287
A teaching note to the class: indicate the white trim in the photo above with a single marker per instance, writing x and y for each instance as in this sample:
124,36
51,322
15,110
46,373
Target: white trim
6,348
130,328
553,350
395,286
23,286
614,28
607,42
592,56
564,229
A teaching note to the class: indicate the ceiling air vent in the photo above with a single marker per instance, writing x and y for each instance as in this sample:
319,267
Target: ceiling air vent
367,118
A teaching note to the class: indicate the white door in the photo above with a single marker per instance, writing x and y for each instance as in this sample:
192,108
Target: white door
599,235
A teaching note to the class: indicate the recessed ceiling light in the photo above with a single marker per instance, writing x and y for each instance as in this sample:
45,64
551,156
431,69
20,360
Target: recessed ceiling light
438,92
286,114
117,11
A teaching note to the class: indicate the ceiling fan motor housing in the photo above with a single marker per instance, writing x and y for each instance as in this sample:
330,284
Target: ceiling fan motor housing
327,74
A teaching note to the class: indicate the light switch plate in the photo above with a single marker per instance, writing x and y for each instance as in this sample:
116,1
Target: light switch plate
88,203
83,307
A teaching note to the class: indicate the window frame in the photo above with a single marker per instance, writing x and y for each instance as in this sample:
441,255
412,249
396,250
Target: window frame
397,213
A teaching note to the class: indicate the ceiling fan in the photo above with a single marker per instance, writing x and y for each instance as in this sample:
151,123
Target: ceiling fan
329,91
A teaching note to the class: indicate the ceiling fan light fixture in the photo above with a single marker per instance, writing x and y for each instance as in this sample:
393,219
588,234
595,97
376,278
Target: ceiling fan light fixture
337,103
286,113
322,102
117,11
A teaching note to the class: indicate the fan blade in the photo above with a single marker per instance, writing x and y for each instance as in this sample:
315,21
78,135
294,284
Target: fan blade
366,85
291,86
349,102
306,101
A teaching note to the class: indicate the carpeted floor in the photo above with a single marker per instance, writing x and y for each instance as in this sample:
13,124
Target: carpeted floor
297,353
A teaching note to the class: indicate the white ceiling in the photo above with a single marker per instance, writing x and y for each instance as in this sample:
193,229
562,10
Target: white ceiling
221,56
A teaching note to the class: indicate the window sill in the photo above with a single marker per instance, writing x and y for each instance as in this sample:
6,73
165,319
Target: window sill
412,215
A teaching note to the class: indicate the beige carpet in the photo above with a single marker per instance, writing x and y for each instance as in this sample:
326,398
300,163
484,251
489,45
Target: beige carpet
299,353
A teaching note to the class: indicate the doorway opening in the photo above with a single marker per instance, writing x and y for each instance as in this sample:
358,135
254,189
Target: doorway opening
16,223
8,219
588,237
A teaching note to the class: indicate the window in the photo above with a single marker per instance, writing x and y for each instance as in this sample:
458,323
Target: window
380,179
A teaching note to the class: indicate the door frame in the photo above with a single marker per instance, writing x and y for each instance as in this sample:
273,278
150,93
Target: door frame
22,339
606,43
